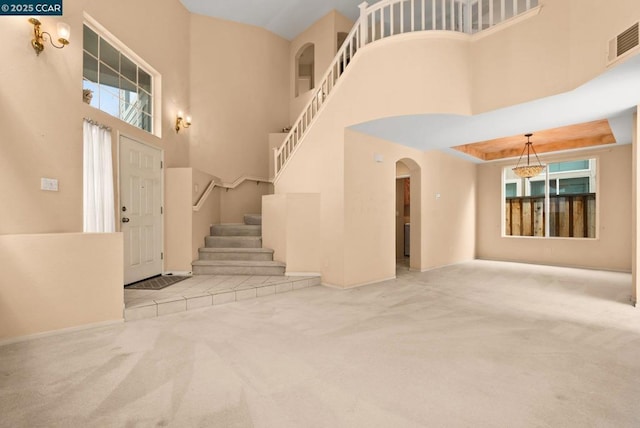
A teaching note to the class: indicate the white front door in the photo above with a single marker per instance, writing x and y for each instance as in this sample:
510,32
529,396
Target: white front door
140,209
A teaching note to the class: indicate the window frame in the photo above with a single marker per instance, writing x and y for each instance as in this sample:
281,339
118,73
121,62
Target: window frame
594,183
156,78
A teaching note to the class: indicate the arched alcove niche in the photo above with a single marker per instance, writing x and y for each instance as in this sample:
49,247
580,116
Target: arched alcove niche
305,64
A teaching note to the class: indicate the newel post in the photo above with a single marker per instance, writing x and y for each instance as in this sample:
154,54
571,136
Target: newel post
364,24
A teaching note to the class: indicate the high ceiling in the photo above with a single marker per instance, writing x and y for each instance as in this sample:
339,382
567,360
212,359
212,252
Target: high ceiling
570,137
612,96
287,18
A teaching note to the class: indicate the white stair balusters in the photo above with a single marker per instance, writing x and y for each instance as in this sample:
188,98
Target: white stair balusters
388,18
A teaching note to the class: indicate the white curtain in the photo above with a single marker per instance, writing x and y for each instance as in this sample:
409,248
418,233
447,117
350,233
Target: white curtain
99,215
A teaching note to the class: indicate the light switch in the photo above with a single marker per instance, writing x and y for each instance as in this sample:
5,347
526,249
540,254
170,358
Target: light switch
49,184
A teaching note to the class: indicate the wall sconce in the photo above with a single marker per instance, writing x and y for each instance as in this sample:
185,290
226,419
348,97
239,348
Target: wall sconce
64,31
181,122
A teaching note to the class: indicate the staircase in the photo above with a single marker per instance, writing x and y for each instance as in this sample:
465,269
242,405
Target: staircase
236,249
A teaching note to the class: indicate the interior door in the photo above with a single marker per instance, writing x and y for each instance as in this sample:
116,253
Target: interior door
141,209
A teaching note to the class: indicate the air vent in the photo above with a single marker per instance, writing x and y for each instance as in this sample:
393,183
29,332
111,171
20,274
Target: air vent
624,42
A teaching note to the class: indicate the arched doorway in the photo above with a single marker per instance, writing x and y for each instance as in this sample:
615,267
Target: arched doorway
305,65
408,225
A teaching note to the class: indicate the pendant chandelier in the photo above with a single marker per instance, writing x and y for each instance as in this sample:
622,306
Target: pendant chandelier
528,170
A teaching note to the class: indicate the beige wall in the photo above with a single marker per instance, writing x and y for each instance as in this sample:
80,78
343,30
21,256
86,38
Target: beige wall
187,228
442,216
239,94
320,162
448,210
558,50
57,281
202,220
41,107
77,278
178,219
295,230
244,199
370,231
431,73
612,248
209,212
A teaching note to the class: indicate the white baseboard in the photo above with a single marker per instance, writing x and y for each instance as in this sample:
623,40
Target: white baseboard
60,331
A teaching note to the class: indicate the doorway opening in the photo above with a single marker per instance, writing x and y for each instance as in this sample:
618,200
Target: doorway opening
407,208
140,209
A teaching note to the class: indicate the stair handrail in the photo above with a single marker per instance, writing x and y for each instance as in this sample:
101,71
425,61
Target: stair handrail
455,15
215,183
314,106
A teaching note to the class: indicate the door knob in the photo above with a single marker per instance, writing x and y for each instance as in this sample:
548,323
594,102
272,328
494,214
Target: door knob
125,220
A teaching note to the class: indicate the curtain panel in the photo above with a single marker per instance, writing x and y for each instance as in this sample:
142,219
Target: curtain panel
98,194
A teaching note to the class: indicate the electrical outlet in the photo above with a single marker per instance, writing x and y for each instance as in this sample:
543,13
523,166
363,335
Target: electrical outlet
49,184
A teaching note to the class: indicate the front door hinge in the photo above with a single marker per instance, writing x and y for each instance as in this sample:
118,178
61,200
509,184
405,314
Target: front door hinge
161,256
161,165
161,210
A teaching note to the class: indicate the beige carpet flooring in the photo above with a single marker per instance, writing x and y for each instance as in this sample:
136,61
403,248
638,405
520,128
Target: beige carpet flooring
479,344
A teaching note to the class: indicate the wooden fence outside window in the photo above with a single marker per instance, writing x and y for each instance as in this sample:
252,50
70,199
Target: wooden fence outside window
571,216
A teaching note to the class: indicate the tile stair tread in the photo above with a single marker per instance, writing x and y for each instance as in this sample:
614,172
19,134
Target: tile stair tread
233,246
235,238
229,229
242,225
235,250
241,237
236,263
255,219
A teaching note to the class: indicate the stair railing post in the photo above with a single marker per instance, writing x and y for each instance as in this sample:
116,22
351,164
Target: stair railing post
468,17
273,166
364,24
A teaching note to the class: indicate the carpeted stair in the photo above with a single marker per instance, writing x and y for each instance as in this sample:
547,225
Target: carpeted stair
236,249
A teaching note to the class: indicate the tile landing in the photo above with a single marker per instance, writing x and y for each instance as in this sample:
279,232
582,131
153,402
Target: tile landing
201,291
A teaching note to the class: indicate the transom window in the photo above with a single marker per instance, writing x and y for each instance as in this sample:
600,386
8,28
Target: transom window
559,202
119,85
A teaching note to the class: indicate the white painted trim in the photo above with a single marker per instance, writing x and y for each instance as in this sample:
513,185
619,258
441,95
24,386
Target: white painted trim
224,185
60,331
